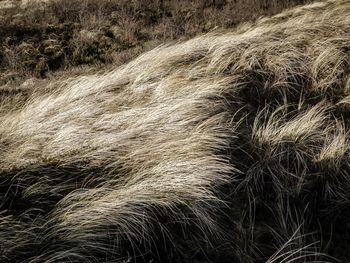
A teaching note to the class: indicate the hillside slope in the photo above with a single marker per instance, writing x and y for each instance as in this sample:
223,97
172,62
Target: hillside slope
229,147
41,37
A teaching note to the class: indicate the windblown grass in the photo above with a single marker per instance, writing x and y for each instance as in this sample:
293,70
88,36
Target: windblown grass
230,147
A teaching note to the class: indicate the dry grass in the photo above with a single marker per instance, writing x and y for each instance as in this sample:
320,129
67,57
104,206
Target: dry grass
230,147
41,37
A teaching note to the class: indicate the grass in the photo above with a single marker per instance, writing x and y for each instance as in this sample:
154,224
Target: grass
229,147
38,38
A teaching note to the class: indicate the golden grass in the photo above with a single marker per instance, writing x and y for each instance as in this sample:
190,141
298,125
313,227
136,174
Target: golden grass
229,147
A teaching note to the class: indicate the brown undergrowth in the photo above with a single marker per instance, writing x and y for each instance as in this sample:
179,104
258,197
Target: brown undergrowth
38,38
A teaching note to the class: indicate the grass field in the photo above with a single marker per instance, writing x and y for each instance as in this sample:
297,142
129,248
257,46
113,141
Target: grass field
229,142
38,38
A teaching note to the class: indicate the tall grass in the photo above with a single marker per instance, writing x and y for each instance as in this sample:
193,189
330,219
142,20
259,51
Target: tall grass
230,147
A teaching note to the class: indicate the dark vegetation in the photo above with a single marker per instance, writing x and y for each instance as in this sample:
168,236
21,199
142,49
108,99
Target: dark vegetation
40,37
